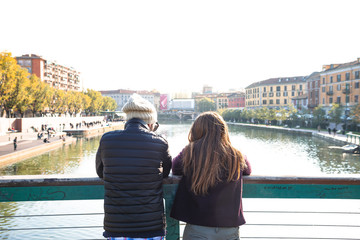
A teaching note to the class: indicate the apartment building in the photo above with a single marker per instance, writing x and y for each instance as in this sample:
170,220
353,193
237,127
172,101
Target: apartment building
121,96
236,100
274,92
340,83
54,74
313,85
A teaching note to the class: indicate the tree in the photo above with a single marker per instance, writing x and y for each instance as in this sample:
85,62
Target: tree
319,115
8,75
41,94
96,101
109,104
335,113
206,104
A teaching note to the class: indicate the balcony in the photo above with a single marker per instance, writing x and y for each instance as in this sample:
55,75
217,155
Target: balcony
346,91
330,93
300,189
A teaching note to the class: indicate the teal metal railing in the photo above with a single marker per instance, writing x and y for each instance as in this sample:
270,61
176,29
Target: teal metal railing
53,188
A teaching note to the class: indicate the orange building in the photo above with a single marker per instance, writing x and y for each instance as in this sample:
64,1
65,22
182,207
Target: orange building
57,76
340,83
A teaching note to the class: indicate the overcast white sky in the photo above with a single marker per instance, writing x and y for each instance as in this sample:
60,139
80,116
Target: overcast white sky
182,45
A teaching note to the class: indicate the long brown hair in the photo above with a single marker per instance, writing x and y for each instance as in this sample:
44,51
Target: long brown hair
209,157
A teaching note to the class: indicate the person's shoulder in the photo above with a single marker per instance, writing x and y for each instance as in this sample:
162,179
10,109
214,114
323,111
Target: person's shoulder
110,134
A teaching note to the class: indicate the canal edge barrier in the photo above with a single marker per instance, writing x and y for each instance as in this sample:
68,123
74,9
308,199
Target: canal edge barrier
20,155
328,137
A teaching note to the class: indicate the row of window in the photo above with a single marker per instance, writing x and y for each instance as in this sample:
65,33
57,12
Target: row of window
338,99
338,87
339,78
278,89
271,101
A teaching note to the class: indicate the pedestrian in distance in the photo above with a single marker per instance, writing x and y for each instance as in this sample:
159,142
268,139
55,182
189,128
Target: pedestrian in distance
133,162
209,195
15,143
329,130
334,131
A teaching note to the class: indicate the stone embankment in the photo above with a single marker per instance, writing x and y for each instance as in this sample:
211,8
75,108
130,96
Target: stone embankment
29,146
338,138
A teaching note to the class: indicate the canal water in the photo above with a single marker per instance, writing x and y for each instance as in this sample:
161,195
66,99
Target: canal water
269,152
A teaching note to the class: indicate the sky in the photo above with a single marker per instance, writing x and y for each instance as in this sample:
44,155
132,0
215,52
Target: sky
180,46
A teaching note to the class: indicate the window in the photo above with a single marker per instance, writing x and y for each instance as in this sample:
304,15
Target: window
357,74
316,84
264,89
347,99
338,100
264,94
323,89
356,98
330,100
278,94
323,101
270,89
285,94
323,80
271,94
292,94
357,85
347,76
338,77
331,79
271,101
311,94
264,101
300,87
285,101
293,87
338,87
285,88
277,101
278,89
331,88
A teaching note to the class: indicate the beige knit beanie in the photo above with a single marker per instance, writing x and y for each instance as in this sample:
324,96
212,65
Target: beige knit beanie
138,107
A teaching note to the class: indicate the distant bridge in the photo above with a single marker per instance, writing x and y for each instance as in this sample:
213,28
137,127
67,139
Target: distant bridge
184,115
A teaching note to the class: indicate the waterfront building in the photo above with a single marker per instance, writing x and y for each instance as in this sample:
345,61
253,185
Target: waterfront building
340,83
313,85
222,101
236,100
182,104
121,96
274,92
54,74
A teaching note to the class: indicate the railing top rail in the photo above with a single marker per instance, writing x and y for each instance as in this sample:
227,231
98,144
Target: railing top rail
64,180
352,134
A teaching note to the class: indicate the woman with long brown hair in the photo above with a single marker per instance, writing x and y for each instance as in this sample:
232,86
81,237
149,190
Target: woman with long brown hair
209,196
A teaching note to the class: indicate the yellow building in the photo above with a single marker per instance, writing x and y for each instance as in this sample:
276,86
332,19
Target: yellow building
275,92
340,83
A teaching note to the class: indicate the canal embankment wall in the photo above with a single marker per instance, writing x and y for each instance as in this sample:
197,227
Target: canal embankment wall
337,138
31,147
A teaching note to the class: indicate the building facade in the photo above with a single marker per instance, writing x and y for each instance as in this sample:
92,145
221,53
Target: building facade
340,83
56,75
313,85
274,92
236,100
121,96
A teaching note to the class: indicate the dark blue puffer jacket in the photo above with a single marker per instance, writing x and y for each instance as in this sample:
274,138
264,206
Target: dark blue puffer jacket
133,162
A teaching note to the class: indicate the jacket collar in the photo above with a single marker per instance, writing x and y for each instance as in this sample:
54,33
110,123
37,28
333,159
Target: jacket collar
137,121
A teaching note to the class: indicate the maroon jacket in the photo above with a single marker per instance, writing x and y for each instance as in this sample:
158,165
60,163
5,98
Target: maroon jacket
221,207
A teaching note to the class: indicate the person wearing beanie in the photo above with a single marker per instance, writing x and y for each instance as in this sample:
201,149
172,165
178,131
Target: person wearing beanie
133,162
